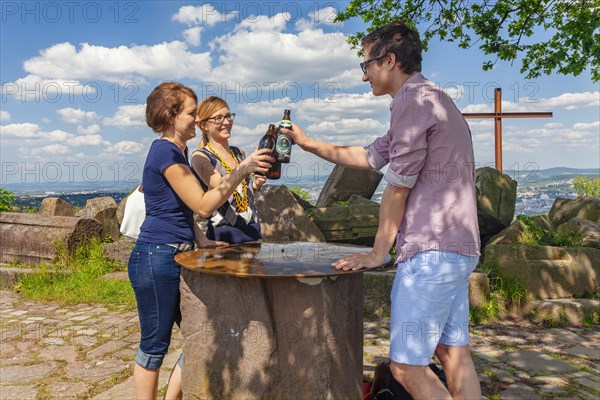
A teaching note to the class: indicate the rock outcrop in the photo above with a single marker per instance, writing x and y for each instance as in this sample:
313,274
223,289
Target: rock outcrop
344,182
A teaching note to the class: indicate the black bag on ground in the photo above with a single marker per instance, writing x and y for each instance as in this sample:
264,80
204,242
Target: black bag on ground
385,387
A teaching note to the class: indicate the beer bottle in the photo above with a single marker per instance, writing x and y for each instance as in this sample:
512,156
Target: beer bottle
268,141
284,142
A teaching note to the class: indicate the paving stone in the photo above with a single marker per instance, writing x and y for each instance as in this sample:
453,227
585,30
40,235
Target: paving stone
124,390
589,383
19,313
582,351
504,376
95,371
536,362
16,360
66,353
18,392
105,348
56,341
69,390
519,391
486,357
80,318
585,395
87,341
558,335
26,373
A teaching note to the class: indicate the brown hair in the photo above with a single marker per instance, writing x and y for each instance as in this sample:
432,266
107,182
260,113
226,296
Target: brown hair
400,39
164,103
206,108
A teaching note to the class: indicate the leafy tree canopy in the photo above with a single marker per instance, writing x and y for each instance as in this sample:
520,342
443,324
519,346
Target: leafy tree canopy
502,29
6,200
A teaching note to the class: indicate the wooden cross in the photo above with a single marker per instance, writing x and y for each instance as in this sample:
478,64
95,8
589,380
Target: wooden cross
498,115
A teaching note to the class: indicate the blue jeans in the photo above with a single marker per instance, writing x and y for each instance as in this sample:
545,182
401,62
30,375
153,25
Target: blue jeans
154,276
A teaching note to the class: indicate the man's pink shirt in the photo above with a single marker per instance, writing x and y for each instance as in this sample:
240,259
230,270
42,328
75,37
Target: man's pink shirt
430,151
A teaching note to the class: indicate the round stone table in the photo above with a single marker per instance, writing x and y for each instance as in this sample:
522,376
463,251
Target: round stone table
271,321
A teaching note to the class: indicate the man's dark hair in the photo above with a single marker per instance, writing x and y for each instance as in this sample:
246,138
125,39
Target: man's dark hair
400,39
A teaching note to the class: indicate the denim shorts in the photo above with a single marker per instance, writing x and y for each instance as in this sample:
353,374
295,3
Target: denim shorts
154,276
430,305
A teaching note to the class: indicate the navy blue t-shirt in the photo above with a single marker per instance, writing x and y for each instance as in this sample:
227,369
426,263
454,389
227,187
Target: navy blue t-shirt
168,219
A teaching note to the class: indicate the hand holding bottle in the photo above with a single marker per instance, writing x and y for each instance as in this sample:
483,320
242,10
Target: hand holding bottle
258,162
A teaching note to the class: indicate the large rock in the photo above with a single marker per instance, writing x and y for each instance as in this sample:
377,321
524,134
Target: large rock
57,207
104,210
548,272
282,219
479,290
587,231
513,234
31,238
119,251
496,200
354,223
345,182
582,207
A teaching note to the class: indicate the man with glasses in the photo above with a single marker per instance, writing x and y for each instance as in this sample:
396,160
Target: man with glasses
428,207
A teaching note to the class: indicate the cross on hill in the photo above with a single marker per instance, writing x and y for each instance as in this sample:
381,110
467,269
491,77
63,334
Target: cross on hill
498,115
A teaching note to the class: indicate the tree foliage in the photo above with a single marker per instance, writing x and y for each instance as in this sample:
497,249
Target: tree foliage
6,200
585,186
502,29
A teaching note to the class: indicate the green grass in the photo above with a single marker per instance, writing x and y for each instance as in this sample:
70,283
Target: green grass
302,193
504,294
536,236
78,279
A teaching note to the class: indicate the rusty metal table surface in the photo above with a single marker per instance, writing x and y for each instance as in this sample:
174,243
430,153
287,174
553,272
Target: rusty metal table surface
271,259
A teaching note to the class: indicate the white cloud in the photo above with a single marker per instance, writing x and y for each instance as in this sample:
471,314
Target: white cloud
325,16
125,147
205,14
49,150
76,115
260,49
551,125
568,101
37,89
264,23
89,130
88,140
118,64
350,131
4,116
127,116
25,130
585,126
192,36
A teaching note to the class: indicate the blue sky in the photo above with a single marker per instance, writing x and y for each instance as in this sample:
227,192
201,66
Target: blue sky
75,76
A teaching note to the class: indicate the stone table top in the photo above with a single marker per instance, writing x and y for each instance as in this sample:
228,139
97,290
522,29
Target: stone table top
271,259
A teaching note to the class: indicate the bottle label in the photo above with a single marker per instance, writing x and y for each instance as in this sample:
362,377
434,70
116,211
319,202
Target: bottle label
284,145
284,123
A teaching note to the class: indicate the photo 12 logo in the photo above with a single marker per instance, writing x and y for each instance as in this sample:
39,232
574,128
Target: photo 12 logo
53,12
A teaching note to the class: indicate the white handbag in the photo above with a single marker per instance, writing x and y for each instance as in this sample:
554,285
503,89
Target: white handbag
134,214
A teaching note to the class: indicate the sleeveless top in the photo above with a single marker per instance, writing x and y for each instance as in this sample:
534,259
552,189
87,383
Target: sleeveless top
226,223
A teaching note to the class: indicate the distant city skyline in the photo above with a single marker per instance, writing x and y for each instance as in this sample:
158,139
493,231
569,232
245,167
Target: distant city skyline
75,76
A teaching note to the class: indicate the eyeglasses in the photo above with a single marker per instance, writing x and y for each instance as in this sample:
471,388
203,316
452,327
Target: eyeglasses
363,65
219,119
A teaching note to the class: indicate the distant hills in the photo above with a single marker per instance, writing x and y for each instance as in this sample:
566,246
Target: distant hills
533,175
536,190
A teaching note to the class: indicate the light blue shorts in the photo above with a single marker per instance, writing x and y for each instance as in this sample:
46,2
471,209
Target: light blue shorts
430,305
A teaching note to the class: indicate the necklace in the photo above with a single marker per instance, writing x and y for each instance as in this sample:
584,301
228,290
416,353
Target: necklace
241,202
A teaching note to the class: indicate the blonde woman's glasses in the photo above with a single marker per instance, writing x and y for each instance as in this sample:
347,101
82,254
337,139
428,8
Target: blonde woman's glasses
219,119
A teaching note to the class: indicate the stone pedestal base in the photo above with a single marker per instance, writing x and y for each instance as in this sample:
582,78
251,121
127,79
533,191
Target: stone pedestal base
277,338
